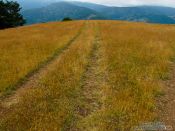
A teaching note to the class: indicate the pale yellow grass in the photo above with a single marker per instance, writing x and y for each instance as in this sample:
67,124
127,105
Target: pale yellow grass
23,49
133,59
53,105
136,57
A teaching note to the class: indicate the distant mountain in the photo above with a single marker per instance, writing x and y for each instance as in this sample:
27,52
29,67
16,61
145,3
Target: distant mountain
84,10
169,11
58,11
96,7
152,14
146,14
32,4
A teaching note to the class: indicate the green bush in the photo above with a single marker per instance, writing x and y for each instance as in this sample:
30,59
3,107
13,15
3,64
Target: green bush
67,19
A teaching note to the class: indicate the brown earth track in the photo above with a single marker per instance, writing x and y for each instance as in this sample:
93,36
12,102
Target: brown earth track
34,77
91,82
91,90
167,101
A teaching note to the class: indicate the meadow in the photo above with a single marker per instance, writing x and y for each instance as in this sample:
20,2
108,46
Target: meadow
109,77
24,50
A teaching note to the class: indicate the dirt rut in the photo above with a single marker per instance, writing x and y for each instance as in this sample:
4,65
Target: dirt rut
91,90
167,102
33,78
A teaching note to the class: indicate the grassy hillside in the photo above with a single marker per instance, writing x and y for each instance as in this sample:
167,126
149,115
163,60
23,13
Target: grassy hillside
25,49
108,77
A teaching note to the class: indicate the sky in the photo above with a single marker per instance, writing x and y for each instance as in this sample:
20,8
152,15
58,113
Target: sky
170,3
133,2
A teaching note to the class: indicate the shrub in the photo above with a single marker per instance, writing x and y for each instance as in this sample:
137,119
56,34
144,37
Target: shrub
67,19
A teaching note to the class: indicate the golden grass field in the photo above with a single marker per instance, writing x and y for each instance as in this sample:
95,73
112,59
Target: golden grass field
108,79
23,49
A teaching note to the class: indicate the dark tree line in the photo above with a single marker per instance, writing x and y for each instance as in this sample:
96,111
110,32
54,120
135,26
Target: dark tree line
67,19
10,14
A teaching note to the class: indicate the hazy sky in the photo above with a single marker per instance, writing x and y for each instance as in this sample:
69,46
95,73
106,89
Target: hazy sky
134,2
122,2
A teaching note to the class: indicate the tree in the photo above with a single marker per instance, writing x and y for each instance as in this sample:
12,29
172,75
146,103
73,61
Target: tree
9,14
67,19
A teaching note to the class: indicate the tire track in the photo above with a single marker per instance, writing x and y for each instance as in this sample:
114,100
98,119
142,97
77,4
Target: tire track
33,77
167,101
91,90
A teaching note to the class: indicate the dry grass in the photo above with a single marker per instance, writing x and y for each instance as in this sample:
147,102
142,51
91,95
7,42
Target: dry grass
132,60
22,50
135,58
54,103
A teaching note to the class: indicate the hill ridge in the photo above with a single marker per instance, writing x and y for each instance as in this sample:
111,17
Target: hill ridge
84,10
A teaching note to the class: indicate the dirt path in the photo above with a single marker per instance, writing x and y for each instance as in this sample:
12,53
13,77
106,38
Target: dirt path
32,79
167,103
90,90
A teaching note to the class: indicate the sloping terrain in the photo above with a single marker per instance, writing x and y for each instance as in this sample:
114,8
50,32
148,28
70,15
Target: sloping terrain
24,50
32,4
84,10
143,14
151,14
89,80
58,11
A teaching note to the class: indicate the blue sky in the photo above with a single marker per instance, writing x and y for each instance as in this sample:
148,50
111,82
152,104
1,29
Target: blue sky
121,2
